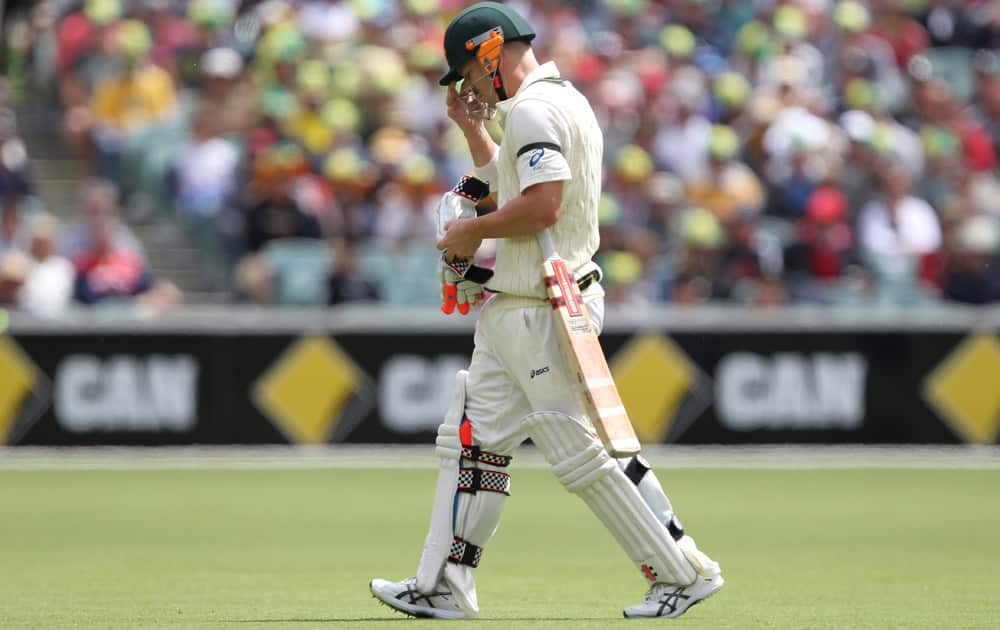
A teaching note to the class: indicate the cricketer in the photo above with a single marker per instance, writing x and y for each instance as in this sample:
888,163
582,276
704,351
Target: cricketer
546,175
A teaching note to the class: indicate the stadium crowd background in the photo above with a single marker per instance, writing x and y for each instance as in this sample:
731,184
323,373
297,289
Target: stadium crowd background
757,152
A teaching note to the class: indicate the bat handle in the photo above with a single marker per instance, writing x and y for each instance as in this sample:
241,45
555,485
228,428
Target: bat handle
548,244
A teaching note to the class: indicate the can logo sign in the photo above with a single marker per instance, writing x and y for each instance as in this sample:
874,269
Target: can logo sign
126,393
414,391
791,391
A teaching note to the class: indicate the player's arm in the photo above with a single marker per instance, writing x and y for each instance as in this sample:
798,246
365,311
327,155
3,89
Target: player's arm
534,128
535,209
481,146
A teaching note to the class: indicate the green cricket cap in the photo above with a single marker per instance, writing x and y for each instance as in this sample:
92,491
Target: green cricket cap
472,22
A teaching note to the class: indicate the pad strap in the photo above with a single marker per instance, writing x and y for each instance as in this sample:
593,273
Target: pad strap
639,473
466,553
475,454
473,480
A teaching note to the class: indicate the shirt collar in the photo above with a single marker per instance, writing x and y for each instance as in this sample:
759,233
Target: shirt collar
545,71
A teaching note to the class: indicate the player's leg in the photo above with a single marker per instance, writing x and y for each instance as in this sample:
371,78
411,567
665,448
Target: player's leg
640,473
468,502
474,444
490,433
658,599
582,465
424,595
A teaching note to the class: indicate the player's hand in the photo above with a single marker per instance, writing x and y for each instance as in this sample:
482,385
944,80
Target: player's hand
459,112
461,239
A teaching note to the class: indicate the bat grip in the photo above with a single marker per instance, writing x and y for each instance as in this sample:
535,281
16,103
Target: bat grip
548,244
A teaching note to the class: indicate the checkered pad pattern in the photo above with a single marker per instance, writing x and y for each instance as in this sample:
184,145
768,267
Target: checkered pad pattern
473,454
465,553
474,479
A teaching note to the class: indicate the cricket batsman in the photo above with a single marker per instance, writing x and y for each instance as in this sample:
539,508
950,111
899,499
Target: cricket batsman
546,175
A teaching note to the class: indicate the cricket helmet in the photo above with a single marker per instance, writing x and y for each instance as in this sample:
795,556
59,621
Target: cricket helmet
477,25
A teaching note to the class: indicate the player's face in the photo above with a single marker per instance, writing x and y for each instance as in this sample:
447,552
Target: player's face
476,91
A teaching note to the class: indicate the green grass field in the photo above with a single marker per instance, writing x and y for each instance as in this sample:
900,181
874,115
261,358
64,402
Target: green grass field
295,549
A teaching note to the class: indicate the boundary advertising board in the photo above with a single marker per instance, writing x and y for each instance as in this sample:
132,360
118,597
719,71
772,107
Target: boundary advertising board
390,383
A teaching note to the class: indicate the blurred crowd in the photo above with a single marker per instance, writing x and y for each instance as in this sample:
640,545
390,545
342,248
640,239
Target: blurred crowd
758,152
46,264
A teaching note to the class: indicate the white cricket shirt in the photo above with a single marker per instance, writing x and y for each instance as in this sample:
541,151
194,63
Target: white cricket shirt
550,134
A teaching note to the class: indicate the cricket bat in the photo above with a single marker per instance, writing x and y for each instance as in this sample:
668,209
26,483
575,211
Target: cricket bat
585,355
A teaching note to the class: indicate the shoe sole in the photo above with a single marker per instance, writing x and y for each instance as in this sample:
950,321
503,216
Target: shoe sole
418,612
715,590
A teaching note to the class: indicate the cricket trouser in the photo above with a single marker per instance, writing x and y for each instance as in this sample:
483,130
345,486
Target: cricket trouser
519,367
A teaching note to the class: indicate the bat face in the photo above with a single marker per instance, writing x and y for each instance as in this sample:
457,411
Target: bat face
586,356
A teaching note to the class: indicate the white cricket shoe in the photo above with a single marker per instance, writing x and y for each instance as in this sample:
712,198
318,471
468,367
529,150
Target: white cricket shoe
671,600
404,597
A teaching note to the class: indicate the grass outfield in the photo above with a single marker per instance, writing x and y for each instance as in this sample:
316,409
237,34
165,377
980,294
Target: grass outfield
295,549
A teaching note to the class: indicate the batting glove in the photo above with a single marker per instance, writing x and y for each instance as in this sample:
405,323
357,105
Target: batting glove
461,281
462,285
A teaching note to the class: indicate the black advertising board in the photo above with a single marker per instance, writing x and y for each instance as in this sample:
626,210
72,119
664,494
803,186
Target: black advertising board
688,387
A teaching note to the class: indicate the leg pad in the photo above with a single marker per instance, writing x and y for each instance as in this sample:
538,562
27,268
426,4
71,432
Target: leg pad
582,465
